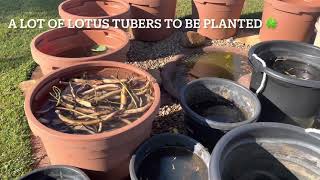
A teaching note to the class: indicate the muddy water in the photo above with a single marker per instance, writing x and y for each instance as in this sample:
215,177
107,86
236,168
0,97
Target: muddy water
296,69
217,64
220,110
172,163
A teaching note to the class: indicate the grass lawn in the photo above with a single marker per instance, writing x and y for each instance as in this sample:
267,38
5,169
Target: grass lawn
16,65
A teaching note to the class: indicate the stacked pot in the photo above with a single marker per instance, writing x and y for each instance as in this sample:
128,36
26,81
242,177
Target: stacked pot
293,20
153,9
218,10
68,46
67,52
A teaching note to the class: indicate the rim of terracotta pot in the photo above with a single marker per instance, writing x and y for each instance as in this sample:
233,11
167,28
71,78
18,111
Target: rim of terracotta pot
226,2
295,6
123,4
83,59
53,75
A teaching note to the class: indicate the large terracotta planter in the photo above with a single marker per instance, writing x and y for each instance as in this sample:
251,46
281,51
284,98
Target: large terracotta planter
153,9
106,154
64,47
317,40
73,10
295,19
218,10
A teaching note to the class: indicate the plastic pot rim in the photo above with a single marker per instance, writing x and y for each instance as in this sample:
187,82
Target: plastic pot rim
145,146
56,167
214,124
80,59
80,137
274,74
123,4
293,7
218,150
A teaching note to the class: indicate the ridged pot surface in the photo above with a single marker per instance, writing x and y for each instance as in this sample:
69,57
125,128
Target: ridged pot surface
102,153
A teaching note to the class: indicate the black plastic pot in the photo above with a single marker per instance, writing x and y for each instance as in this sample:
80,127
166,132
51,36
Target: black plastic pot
291,93
214,106
56,172
266,151
159,168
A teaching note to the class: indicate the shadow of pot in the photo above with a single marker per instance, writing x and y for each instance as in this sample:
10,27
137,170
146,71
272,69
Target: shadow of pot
73,10
106,153
63,47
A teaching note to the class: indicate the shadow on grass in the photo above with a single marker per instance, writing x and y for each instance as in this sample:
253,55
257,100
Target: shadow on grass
18,8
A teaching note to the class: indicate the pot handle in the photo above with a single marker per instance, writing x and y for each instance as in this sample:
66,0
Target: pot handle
262,66
313,132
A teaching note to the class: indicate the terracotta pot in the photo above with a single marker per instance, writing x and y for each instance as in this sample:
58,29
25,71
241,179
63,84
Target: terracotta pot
295,19
218,10
64,47
153,9
107,153
317,40
73,10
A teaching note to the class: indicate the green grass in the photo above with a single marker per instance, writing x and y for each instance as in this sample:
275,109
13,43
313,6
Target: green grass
16,65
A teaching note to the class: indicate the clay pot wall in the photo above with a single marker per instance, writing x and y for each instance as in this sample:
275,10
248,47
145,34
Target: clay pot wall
152,9
218,10
295,20
65,46
105,154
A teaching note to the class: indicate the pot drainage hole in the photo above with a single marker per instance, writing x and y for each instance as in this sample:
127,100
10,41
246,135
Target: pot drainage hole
172,163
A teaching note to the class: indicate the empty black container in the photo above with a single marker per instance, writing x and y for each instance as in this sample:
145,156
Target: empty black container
266,151
214,106
195,164
291,93
56,172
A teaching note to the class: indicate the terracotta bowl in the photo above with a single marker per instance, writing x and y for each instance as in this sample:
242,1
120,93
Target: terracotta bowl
62,47
73,10
106,153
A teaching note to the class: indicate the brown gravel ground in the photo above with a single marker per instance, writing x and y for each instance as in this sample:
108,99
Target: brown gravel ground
152,55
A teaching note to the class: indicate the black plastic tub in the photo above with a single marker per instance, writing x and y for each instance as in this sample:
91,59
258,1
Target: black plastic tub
170,156
56,172
291,93
267,151
214,106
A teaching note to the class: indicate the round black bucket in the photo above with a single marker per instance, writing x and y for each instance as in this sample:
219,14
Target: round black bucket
55,173
214,106
266,151
170,156
291,92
